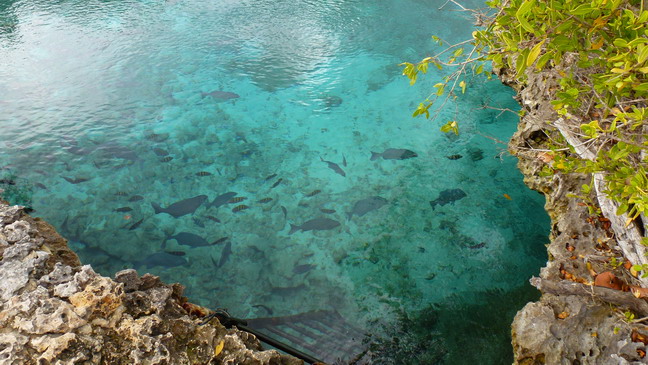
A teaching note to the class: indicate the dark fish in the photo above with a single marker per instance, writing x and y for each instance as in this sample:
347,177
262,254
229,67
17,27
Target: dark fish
237,199
221,199
317,224
447,197
190,239
265,200
121,193
166,159
75,181
203,173
327,211
157,137
40,186
160,152
163,259
178,209
220,95
285,211
270,312
335,167
478,245
135,198
313,193
11,182
239,208
301,269
176,253
364,206
394,154
198,222
225,254
136,224
123,209
344,163
211,217
276,183
220,240
115,150
270,177
454,157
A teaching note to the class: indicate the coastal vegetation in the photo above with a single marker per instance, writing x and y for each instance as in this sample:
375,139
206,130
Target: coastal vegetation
597,51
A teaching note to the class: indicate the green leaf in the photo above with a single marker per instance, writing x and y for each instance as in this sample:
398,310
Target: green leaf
622,208
535,52
582,9
451,126
524,9
462,85
543,60
642,53
620,42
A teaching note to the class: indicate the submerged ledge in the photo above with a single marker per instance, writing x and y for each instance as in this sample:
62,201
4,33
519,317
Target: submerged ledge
53,310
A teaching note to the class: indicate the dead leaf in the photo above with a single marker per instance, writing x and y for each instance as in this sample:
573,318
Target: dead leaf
219,348
636,336
608,280
627,264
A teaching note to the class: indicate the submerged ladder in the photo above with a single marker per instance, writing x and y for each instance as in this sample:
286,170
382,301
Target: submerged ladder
320,336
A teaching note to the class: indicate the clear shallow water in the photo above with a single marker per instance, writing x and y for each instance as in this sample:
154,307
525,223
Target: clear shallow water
93,95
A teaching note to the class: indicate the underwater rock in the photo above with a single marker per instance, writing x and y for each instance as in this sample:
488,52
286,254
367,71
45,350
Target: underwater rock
52,310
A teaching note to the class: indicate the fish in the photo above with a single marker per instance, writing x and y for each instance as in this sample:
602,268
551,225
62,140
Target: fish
220,95
313,193
225,254
237,199
182,207
394,154
265,200
239,208
301,269
40,186
270,311
163,259
114,150
276,184
211,217
203,173
221,199
135,198
166,159
198,222
285,211
76,180
157,137
476,246
121,193
364,206
123,209
11,182
176,253
270,177
220,240
454,157
136,224
190,239
335,167
327,211
160,152
317,224
448,196
344,163
507,196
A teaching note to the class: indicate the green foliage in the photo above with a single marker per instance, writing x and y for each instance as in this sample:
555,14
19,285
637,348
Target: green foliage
599,49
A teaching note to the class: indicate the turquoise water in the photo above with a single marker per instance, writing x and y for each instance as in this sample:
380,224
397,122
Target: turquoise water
105,112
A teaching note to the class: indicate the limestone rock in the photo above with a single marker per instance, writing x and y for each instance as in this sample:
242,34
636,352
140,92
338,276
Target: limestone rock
54,311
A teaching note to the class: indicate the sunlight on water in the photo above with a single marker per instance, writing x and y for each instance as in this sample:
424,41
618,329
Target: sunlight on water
125,123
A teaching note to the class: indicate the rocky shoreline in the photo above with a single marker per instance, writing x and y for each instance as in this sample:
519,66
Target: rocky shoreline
575,321
53,310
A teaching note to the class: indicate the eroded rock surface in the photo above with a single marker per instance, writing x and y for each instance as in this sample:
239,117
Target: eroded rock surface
565,328
55,311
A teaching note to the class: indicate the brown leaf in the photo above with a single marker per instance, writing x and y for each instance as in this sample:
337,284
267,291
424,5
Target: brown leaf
636,336
608,280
